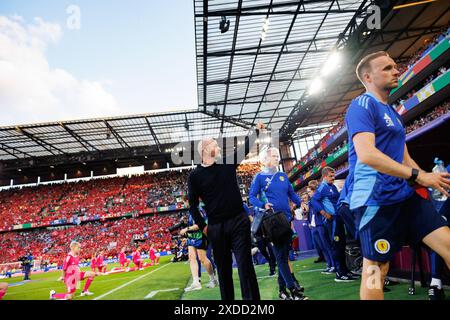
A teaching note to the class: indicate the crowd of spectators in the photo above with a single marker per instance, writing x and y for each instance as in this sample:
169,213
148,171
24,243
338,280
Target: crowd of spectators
428,45
429,79
94,199
50,245
428,117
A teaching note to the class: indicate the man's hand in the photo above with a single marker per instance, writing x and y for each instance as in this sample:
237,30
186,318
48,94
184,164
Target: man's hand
268,206
435,180
183,231
326,215
205,230
260,126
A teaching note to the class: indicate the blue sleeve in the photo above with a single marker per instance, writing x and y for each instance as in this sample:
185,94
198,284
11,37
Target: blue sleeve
360,116
315,205
344,191
317,199
292,195
255,189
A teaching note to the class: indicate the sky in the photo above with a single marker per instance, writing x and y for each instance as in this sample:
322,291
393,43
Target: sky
77,59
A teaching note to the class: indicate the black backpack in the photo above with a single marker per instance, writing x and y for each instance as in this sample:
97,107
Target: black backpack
276,227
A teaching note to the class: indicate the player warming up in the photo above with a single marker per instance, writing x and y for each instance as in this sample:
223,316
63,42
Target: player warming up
123,260
136,256
72,275
154,256
101,264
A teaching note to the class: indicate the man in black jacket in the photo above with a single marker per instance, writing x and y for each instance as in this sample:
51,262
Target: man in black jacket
228,226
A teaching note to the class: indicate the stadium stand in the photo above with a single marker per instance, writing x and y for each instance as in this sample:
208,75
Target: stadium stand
95,200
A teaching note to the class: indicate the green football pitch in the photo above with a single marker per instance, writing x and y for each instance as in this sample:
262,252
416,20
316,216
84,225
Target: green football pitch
167,281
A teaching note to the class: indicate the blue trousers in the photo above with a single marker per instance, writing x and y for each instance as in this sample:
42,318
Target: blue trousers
437,263
281,251
266,250
322,240
336,235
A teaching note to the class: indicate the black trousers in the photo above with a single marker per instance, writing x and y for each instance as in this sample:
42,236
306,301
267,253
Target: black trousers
233,236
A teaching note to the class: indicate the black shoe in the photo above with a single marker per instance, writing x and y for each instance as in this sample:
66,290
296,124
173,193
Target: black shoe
386,289
388,282
434,293
344,278
283,295
272,272
297,295
353,275
298,286
319,260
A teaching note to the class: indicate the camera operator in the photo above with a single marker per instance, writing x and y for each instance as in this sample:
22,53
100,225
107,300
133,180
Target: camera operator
180,247
26,260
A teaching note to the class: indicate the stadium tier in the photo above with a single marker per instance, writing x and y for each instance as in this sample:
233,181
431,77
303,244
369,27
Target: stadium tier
91,203
425,78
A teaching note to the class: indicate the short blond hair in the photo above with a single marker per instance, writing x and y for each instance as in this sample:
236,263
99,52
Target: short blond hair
264,155
313,184
364,65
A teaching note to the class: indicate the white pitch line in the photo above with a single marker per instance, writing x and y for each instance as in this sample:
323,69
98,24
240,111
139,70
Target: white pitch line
129,282
153,293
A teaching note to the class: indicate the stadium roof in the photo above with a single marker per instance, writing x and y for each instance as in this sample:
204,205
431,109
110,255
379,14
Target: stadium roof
160,130
260,68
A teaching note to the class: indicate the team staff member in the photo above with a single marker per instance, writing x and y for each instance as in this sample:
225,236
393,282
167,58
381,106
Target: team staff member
318,231
274,192
264,246
228,225
327,196
387,209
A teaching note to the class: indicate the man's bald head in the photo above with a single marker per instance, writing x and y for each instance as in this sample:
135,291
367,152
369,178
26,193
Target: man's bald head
208,148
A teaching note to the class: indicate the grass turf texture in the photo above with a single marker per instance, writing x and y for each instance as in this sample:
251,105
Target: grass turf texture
177,275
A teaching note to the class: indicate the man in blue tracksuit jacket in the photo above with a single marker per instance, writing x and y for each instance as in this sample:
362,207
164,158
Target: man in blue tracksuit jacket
274,191
327,197
318,231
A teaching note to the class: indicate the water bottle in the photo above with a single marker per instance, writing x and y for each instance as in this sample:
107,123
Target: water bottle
439,167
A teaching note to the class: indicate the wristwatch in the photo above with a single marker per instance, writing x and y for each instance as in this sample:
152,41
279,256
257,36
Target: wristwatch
412,179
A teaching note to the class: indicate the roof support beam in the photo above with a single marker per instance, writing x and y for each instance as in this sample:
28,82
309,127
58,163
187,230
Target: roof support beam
256,81
254,53
83,142
284,44
47,146
230,68
301,61
300,3
205,54
287,12
240,123
116,135
155,137
6,148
